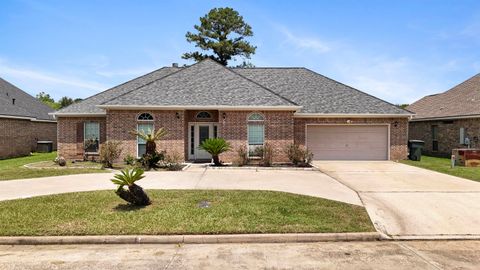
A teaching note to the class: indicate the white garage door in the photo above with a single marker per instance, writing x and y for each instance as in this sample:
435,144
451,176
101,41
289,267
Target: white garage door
338,142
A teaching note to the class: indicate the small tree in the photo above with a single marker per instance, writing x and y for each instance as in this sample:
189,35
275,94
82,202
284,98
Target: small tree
150,137
134,194
222,31
109,152
215,146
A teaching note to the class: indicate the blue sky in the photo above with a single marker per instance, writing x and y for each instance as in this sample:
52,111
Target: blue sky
398,51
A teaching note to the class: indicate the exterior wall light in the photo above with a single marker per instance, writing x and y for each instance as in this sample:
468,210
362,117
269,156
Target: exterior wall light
224,115
177,115
395,124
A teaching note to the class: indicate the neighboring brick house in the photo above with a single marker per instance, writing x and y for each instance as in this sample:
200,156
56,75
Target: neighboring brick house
248,107
445,121
23,121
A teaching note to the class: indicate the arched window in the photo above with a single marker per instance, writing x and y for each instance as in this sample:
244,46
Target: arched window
203,115
255,117
145,117
256,134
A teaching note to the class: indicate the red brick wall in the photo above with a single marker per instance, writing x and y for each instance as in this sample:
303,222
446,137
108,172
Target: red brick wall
19,137
70,135
398,135
278,131
448,134
120,123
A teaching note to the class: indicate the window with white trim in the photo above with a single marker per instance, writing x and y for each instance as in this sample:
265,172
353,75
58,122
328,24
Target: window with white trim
256,134
141,143
91,137
145,117
204,115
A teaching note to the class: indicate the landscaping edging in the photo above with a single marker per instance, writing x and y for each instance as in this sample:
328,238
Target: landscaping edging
263,168
190,239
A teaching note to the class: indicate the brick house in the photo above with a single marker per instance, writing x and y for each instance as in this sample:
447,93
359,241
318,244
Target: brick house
23,121
445,121
248,107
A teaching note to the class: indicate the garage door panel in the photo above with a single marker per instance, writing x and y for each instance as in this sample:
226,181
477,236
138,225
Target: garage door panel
348,142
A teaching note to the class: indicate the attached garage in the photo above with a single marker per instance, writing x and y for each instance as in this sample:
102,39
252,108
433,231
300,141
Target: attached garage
348,142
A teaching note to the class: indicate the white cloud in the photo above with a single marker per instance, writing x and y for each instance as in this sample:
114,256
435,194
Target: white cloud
302,42
39,80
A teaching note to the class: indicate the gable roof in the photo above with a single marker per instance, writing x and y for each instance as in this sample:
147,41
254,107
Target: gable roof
205,83
462,100
25,105
209,84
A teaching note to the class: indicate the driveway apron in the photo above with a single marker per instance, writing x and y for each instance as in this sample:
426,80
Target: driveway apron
406,202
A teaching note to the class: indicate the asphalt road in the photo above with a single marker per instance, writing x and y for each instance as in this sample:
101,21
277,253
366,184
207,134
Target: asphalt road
328,255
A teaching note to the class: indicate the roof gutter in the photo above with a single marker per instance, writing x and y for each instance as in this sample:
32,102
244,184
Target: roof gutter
26,118
195,107
351,115
446,118
55,115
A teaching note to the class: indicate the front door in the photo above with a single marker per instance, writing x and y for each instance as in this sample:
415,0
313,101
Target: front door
198,133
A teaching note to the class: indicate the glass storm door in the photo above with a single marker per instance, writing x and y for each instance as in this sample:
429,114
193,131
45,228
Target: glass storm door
198,133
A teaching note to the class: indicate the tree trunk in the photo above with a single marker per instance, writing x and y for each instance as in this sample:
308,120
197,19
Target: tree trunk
216,161
150,148
134,195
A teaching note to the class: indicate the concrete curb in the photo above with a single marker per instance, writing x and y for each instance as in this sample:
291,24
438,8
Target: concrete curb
189,239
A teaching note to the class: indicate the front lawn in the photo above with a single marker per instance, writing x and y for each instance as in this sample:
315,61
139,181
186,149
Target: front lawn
13,168
178,212
443,165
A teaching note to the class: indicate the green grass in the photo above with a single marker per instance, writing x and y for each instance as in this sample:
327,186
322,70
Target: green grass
13,168
177,212
443,165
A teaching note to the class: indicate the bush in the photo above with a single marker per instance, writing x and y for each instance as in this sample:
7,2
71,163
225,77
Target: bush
109,152
242,156
267,157
130,160
298,155
173,161
134,194
215,146
149,161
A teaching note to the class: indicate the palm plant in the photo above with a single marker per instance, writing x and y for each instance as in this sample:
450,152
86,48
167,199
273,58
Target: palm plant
134,194
150,137
215,146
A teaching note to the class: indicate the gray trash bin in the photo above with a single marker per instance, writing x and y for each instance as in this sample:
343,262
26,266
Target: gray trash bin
415,149
44,146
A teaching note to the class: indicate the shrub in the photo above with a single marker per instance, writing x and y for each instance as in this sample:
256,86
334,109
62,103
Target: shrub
242,156
150,138
109,152
129,160
149,161
215,146
134,194
298,155
267,159
173,161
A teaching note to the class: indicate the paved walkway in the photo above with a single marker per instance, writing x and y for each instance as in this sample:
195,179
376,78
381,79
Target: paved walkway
312,183
409,255
409,202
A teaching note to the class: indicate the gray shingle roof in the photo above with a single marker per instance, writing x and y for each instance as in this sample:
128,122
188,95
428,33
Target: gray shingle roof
89,105
25,105
206,83
210,84
461,100
317,93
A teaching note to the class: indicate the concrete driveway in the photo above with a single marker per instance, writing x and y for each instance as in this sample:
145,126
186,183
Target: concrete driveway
311,183
407,202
